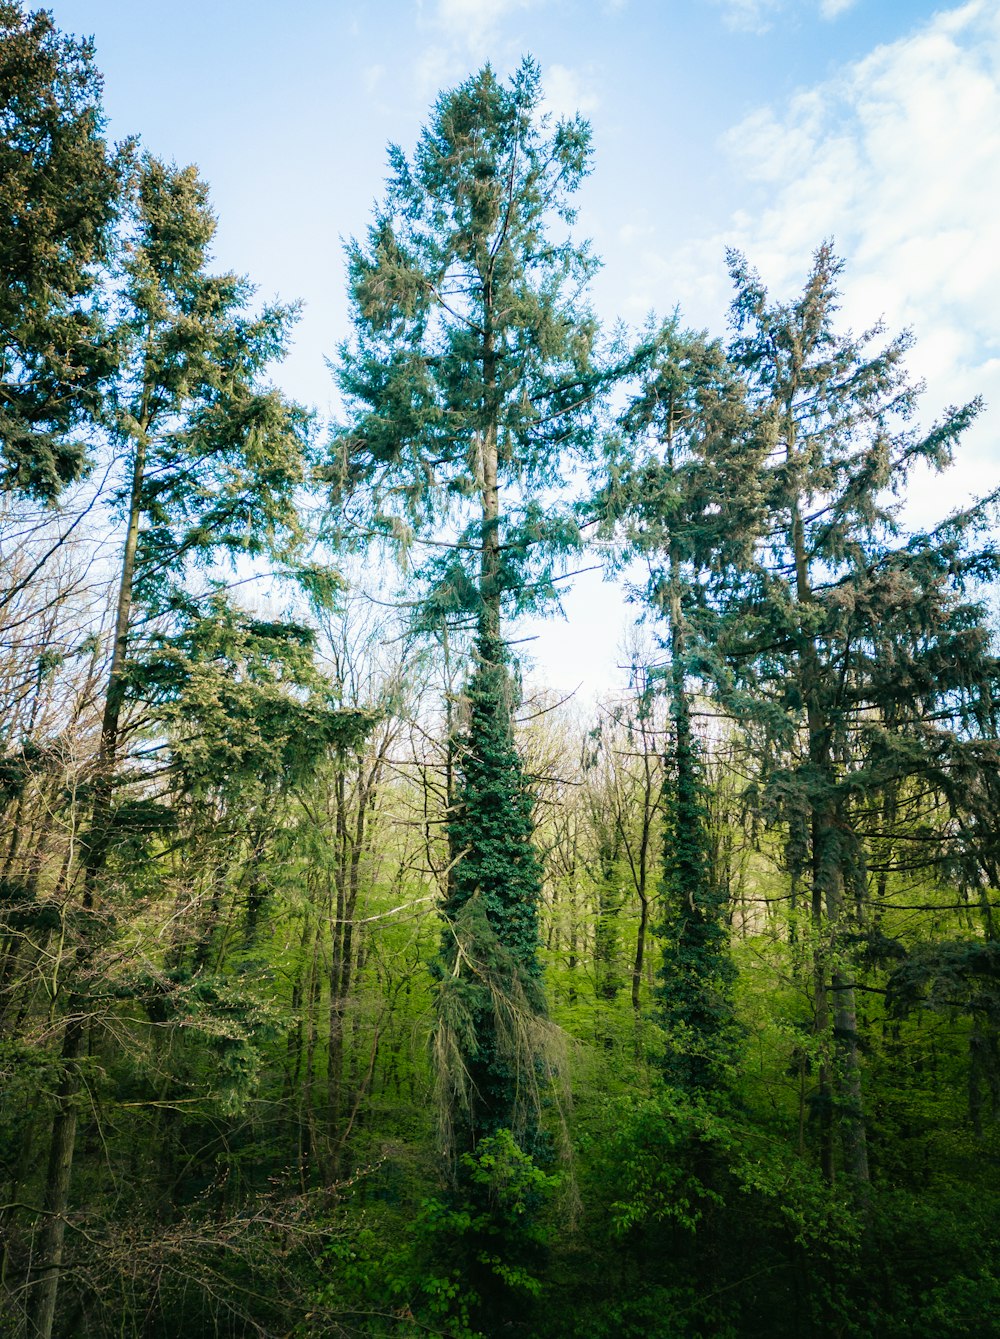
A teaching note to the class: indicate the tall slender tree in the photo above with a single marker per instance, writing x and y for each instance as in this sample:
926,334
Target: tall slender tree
59,186
472,385
670,496
859,651
212,456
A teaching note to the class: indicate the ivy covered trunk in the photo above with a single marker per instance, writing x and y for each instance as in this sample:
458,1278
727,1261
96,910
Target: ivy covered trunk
694,999
491,978
472,383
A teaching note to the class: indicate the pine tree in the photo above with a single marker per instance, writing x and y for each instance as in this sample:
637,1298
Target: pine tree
471,381
212,458
59,188
667,470
853,648
472,386
212,453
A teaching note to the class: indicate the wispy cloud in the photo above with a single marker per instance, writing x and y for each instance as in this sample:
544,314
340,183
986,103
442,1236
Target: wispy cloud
372,76
759,16
462,34
898,159
474,23
568,92
832,9
751,16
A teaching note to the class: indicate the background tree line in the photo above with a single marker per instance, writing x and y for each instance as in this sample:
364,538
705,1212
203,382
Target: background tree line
346,989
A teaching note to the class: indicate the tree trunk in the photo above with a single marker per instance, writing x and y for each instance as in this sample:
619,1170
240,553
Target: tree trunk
827,900
60,1168
489,571
57,1182
853,1136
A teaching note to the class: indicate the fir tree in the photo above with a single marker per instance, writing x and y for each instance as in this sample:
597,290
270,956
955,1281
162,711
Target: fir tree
471,381
59,188
667,470
212,453
472,385
853,649
212,458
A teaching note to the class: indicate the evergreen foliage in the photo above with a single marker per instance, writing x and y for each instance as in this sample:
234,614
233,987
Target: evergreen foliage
58,194
831,596
489,960
678,448
694,997
235,1035
472,379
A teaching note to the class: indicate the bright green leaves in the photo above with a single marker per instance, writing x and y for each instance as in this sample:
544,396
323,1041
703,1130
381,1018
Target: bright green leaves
649,1150
760,484
471,1260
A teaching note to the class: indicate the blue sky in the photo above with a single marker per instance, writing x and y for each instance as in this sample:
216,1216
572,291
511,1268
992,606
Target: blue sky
768,124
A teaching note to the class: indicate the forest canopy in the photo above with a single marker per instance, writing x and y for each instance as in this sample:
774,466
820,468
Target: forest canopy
347,985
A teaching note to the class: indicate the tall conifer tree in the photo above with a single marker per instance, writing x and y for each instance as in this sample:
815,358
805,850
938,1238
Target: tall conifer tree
58,194
471,383
854,647
677,457
212,456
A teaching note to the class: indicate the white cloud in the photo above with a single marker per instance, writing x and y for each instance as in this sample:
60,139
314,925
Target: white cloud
462,34
436,68
898,159
757,16
473,23
472,31
832,9
637,231
752,16
566,93
372,76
